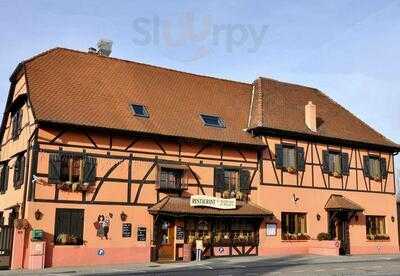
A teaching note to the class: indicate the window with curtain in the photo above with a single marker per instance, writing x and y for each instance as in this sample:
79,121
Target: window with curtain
375,225
374,167
335,164
294,223
289,157
231,178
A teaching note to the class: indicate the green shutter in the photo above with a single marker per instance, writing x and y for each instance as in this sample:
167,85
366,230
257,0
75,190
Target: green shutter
325,160
54,168
301,163
366,166
219,179
383,168
245,181
345,163
89,169
279,156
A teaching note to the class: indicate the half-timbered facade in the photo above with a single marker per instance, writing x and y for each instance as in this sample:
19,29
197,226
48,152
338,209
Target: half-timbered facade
106,156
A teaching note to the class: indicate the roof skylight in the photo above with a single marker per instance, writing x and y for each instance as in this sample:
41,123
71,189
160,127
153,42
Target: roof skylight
140,110
212,121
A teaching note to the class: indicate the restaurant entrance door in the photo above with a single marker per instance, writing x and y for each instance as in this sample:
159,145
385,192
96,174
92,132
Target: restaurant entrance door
339,228
166,240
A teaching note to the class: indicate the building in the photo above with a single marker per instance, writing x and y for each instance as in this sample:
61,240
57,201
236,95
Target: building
120,162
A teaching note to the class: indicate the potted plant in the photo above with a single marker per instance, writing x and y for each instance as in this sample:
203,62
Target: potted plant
226,194
324,237
291,170
337,174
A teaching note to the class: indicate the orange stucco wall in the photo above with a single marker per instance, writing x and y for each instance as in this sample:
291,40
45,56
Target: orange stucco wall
271,189
11,147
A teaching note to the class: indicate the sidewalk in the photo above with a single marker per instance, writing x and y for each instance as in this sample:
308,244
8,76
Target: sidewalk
217,263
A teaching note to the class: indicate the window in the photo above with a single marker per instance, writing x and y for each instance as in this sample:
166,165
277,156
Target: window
140,110
375,225
213,121
231,181
71,167
69,227
4,178
335,162
289,157
170,178
375,167
16,123
19,166
294,223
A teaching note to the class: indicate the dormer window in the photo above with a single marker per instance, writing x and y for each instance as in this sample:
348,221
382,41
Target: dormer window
140,110
212,121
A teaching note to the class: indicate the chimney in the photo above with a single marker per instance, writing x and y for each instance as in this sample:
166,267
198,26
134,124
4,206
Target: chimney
104,47
311,116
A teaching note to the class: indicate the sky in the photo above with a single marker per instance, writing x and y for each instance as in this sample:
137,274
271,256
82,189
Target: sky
347,49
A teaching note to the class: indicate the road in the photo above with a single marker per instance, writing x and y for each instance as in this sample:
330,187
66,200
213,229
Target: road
248,266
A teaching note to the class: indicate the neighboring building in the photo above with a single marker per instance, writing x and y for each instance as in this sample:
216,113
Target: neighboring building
104,155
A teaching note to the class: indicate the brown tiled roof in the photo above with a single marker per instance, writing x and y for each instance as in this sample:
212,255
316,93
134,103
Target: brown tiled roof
178,206
68,86
72,87
339,202
282,108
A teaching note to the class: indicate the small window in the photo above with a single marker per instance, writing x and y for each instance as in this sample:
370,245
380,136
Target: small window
294,223
170,179
231,182
16,123
374,167
213,121
289,157
19,166
69,227
375,225
140,110
231,179
65,167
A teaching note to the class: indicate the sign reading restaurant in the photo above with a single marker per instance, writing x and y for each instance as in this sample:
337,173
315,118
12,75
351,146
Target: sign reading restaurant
213,202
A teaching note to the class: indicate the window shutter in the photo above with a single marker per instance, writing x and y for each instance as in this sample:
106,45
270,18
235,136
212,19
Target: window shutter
366,166
345,163
245,181
219,181
279,156
21,169
5,181
89,169
325,160
301,164
383,168
17,169
54,168
2,178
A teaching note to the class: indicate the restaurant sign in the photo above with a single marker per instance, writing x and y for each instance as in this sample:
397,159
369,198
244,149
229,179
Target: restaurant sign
213,202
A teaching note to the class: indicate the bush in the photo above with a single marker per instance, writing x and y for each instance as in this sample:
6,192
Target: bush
324,237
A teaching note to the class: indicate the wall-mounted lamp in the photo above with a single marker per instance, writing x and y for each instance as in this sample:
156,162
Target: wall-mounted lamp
123,216
392,218
318,217
38,215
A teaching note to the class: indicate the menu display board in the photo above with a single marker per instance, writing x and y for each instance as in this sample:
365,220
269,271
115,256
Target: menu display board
180,233
126,230
141,233
271,229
